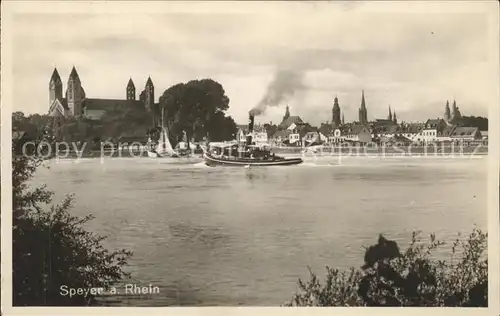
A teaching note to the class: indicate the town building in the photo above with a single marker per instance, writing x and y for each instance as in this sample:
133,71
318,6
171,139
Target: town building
357,133
484,135
385,127
466,134
293,130
431,130
314,137
281,136
241,133
327,130
410,130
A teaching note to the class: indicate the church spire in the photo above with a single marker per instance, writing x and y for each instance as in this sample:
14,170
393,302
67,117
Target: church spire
287,113
363,115
55,76
74,73
390,114
130,90
149,95
55,87
75,93
130,83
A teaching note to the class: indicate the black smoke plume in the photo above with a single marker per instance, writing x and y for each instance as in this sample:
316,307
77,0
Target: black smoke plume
283,87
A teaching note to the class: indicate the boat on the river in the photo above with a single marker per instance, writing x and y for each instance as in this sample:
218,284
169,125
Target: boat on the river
163,148
245,155
212,158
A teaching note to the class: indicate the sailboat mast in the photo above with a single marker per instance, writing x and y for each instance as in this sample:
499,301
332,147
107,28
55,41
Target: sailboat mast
162,116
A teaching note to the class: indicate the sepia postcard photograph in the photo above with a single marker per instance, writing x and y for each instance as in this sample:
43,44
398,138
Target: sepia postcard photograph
250,154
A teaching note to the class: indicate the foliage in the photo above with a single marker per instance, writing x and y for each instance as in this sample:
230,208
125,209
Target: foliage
198,108
473,121
271,129
34,125
125,123
410,278
221,127
51,248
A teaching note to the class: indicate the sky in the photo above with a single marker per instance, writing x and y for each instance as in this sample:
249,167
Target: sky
409,58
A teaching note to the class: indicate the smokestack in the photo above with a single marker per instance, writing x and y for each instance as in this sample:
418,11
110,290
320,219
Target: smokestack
251,118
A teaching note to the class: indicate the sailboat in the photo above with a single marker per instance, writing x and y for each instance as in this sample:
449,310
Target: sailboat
163,148
183,149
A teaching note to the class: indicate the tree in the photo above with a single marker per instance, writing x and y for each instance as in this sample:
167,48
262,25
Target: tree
51,248
270,129
194,108
170,109
474,121
221,127
131,122
390,277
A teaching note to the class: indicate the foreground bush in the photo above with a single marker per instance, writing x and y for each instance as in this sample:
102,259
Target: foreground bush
412,278
51,248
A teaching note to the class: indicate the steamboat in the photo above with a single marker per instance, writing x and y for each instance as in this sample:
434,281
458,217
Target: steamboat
246,154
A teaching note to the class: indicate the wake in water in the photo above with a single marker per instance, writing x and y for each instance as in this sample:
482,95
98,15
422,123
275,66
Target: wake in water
201,165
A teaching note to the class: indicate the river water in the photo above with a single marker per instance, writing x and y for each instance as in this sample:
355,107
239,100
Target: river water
236,236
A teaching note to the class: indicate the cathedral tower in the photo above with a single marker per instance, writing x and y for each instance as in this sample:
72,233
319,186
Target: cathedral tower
455,112
75,93
149,95
389,117
336,113
55,87
130,90
447,112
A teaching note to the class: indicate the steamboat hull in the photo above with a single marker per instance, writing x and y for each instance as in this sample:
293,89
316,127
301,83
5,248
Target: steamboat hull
213,161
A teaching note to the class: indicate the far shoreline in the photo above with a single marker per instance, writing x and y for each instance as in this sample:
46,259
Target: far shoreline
345,152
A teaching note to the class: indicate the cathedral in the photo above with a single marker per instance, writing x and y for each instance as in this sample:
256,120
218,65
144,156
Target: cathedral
76,104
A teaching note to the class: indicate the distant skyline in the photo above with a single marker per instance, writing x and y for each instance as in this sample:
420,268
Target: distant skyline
397,53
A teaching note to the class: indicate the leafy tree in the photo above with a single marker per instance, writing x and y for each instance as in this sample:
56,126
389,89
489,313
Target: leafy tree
51,248
473,121
270,129
221,127
35,125
132,122
410,278
195,107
